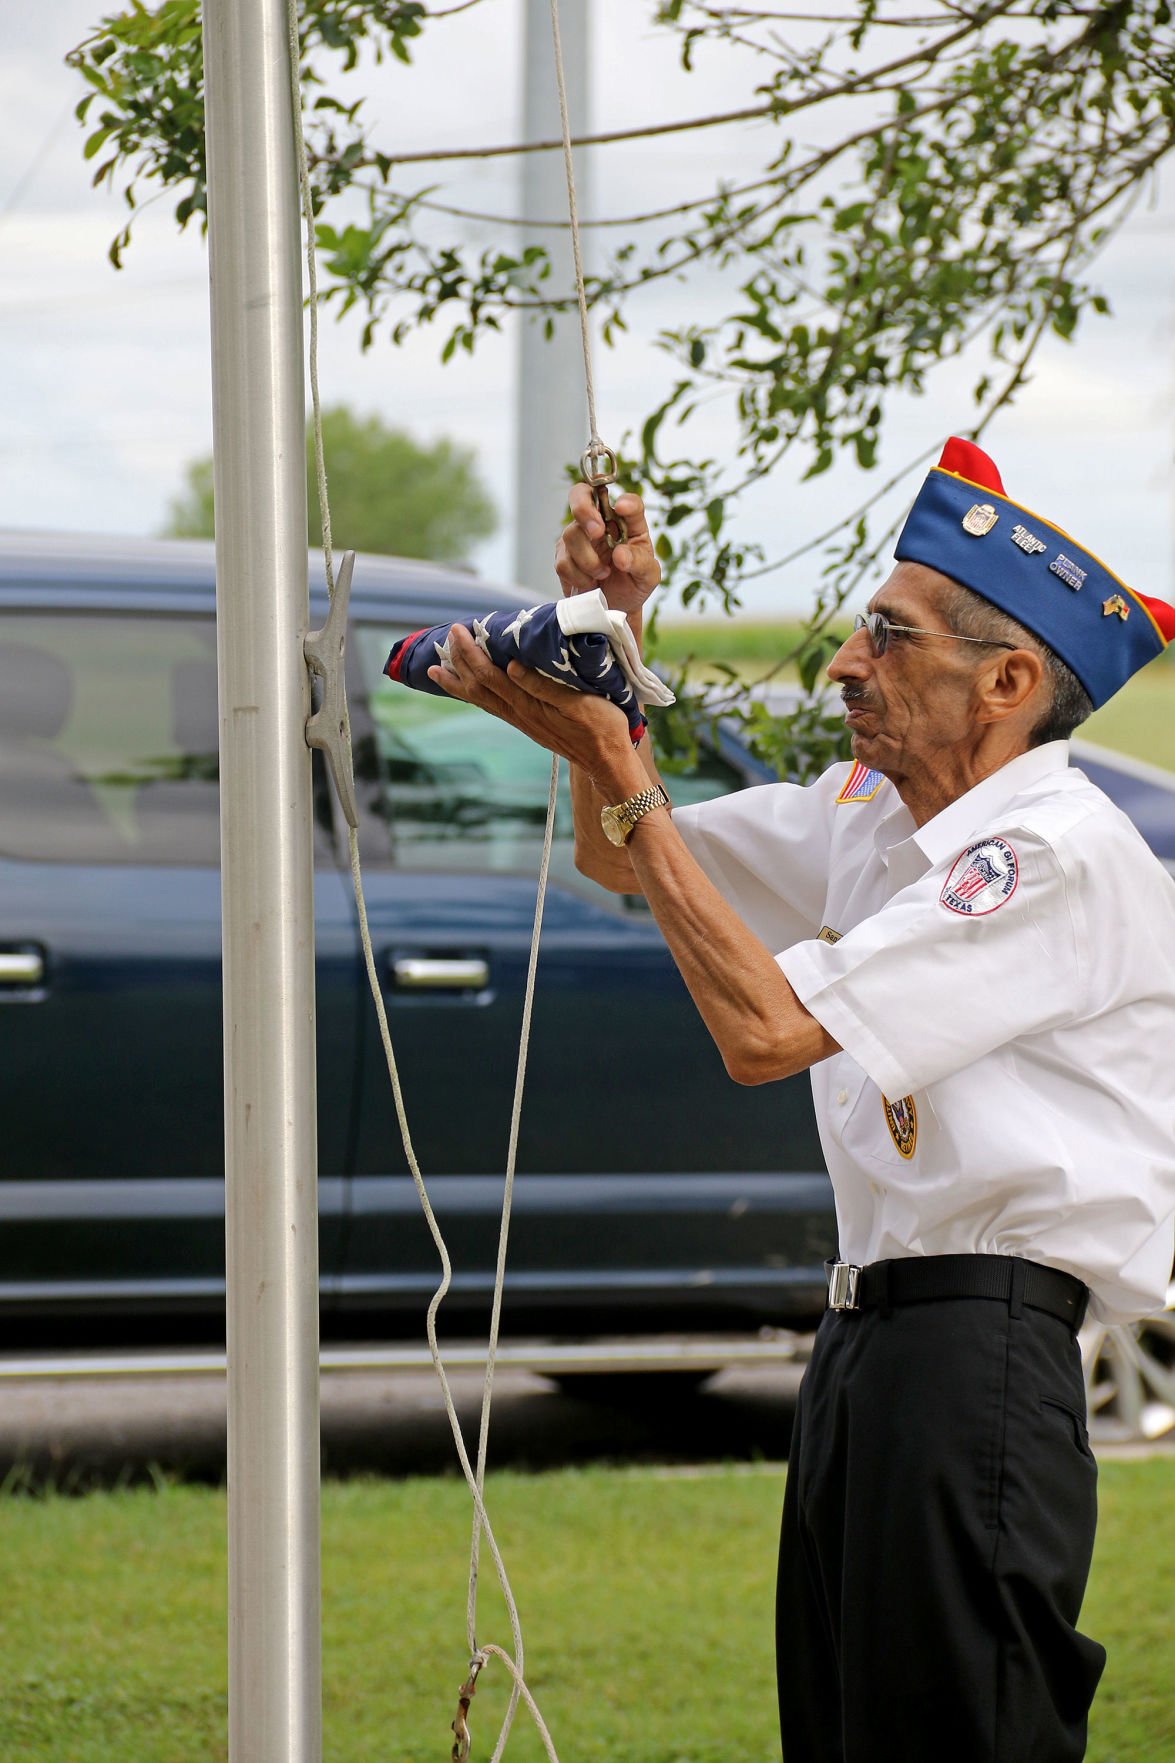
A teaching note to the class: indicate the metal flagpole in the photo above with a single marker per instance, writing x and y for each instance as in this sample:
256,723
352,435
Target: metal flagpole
549,411
275,1669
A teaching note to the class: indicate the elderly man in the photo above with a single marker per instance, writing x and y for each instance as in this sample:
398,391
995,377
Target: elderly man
975,953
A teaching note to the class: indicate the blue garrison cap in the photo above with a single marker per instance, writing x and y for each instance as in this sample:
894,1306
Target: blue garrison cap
965,526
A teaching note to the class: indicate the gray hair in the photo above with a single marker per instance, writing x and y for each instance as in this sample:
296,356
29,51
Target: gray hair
969,615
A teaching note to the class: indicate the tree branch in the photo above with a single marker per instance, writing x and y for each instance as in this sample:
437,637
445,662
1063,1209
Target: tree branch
851,85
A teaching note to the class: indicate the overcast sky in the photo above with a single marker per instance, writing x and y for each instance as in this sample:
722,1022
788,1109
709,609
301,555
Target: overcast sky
105,375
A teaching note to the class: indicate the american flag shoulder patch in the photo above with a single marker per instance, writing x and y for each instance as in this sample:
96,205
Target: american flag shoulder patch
861,785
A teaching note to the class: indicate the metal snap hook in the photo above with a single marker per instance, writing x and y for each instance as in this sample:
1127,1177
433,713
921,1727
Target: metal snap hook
460,1724
598,467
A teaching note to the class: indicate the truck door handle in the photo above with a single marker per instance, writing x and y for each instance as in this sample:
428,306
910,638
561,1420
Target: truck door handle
21,968
437,973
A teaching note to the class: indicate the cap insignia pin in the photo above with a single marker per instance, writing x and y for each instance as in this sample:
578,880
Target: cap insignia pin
1068,571
979,519
1027,541
1117,604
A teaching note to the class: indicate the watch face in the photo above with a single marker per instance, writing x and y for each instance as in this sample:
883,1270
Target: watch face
615,828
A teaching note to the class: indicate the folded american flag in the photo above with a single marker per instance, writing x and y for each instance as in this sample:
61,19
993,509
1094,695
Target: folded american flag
578,642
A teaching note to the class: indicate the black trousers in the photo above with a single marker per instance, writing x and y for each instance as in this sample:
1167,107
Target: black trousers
938,1525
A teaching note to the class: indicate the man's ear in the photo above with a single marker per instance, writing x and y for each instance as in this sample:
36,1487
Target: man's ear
1008,684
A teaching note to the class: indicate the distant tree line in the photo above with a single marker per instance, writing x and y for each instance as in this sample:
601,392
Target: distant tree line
388,493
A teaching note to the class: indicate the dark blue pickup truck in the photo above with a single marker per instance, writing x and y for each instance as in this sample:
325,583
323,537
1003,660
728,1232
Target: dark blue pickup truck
654,1192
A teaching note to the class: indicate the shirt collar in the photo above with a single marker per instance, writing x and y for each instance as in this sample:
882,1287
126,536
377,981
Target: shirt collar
909,854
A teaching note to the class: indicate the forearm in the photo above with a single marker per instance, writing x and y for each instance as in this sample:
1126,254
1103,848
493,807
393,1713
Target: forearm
595,854
758,1024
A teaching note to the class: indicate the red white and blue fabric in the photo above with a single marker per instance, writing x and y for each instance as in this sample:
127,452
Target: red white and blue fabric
861,785
577,642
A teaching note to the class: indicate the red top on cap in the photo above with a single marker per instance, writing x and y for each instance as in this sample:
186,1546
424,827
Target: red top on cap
965,459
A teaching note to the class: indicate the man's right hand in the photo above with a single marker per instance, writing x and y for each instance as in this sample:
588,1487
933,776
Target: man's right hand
583,561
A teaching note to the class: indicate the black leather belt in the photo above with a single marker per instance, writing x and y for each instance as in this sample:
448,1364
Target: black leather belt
921,1279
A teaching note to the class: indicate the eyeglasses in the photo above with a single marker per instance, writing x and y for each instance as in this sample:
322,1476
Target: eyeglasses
878,628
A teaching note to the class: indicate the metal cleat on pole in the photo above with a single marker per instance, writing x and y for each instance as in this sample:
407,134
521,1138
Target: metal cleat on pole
329,728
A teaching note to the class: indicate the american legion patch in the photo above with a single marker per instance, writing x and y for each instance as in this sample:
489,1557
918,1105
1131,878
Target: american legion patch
902,1121
983,878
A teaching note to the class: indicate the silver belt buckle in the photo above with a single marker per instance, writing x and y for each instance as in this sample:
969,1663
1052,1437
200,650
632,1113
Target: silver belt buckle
843,1282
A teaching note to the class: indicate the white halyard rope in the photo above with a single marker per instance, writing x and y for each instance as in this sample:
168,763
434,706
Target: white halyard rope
474,1476
573,216
500,1271
474,1479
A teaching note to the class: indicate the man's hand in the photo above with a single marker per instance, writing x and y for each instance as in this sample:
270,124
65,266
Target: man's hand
588,730
583,561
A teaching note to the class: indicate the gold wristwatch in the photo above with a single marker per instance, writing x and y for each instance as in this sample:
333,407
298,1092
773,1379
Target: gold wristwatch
619,821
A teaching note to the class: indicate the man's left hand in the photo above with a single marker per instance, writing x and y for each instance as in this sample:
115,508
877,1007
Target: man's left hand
586,729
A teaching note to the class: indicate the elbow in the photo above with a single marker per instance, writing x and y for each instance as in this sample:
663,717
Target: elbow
765,1052
750,1065
766,1058
749,1075
617,878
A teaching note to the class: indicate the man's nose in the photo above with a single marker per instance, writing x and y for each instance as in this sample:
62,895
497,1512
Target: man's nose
854,658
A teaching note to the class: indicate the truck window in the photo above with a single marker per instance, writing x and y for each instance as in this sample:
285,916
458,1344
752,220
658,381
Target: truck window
108,739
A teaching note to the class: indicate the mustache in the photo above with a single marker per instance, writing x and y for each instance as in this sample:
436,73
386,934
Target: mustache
856,697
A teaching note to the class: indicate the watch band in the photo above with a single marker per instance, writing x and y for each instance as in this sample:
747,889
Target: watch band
621,817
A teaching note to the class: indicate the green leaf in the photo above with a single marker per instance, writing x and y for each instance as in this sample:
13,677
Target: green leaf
96,141
866,446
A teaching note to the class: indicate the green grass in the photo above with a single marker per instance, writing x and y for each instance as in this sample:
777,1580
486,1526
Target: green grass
1139,720
646,1601
750,645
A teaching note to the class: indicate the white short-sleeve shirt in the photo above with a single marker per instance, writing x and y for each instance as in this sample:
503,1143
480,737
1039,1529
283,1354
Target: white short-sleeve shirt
1002,983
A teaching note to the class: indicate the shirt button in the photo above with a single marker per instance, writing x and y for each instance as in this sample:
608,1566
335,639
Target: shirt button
842,1097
